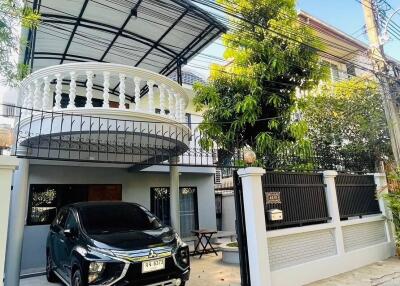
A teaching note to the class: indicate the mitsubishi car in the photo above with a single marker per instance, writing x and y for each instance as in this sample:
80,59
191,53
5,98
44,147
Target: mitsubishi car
114,243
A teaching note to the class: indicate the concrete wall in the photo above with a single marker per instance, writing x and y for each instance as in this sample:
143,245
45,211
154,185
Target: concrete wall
228,212
135,188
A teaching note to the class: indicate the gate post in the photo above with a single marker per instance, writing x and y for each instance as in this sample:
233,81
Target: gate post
256,231
382,188
333,208
7,166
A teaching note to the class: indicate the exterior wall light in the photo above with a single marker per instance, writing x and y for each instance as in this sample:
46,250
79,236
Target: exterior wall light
6,137
249,156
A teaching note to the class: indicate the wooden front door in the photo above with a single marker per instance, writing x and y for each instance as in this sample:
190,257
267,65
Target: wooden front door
105,193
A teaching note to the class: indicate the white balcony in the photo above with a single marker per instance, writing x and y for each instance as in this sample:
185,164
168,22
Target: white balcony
103,112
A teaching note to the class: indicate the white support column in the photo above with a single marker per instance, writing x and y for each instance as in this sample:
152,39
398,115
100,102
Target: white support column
174,196
121,91
72,90
333,208
7,166
89,89
19,199
382,188
150,106
57,104
137,81
47,98
106,90
256,230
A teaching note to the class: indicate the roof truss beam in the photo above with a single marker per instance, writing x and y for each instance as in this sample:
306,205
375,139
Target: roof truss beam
64,20
133,13
78,20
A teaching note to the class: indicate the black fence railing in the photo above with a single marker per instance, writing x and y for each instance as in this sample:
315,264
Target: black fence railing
89,136
356,195
300,197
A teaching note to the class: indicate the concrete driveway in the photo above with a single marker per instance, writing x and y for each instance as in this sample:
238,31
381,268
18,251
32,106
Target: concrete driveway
205,271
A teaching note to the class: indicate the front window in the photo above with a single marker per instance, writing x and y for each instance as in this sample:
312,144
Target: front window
103,219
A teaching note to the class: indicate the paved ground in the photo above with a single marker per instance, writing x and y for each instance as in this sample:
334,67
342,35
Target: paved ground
208,271
385,273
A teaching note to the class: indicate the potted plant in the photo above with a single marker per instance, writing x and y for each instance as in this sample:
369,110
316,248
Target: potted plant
230,253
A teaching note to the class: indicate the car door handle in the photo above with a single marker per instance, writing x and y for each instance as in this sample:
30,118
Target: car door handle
62,240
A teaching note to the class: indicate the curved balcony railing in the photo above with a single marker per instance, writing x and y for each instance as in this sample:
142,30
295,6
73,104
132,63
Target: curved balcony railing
150,92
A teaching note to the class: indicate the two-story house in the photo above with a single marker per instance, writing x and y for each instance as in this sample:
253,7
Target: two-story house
107,114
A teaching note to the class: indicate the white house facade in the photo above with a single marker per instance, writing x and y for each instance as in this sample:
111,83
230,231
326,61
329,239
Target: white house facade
107,114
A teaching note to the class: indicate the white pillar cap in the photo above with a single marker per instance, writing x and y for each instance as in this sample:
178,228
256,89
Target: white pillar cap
8,162
330,174
251,171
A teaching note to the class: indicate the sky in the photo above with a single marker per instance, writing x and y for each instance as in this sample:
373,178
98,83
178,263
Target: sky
345,15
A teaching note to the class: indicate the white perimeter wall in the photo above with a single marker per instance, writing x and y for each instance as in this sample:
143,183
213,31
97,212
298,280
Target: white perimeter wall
135,188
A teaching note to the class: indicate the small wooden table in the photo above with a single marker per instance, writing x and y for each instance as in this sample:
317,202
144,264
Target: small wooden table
207,235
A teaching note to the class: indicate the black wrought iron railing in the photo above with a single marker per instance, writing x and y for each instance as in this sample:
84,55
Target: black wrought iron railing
90,135
356,195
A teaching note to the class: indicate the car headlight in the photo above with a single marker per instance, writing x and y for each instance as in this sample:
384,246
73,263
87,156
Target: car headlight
95,271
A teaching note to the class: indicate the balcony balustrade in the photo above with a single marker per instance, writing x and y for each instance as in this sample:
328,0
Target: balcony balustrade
151,93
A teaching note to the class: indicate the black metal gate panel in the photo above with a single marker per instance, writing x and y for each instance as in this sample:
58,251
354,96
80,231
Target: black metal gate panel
241,231
300,197
356,195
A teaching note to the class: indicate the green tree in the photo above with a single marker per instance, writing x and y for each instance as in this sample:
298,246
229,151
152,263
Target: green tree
13,16
250,102
347,119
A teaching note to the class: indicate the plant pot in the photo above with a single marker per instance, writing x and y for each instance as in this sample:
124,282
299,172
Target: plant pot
230,254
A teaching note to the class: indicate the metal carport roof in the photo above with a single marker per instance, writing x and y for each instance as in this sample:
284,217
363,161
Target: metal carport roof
156,35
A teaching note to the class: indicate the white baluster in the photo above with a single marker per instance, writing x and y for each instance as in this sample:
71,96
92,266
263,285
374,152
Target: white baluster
72,90
177,106
106,95
137,81
162,99
58,97
30,97
37,101
150,84
89,90
121,91
181,110
47,99
170,103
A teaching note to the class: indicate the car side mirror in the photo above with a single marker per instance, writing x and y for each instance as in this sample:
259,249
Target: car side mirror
70,232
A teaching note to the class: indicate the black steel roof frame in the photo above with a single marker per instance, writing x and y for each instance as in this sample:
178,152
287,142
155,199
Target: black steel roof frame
111,29
74,29
145,88
133,13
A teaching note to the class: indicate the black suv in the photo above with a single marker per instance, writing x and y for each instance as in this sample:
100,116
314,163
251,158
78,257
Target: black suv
114,243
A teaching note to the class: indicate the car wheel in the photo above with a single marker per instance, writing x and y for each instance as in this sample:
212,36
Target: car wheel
51,277
77,279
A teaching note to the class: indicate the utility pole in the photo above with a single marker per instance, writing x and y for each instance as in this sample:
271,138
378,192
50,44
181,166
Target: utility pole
381,72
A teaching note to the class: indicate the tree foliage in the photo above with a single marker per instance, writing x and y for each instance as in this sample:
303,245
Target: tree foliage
250,102
347,118
12,16
393,201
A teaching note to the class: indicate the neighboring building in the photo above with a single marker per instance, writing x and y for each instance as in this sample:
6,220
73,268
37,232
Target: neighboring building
101,120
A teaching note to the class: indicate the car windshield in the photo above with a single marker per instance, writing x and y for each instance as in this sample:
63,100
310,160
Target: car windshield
103,219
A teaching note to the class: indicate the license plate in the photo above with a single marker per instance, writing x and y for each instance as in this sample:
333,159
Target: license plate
153,265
